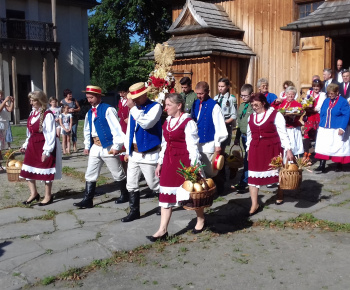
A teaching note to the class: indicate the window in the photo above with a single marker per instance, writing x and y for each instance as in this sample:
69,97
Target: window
307,8
302,8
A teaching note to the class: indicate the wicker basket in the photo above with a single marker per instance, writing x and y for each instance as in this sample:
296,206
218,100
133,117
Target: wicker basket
13,172
290,179
238,162
200,199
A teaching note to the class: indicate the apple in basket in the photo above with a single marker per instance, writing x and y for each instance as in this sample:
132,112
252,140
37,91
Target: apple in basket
18,164
293,167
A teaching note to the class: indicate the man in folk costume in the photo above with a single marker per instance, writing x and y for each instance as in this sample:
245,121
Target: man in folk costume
103,140
211,130
142,143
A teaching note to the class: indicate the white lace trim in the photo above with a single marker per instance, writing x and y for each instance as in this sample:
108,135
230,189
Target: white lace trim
44,171
262,174
167,190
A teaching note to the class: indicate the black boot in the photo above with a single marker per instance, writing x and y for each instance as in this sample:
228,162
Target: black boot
322,166
151,194
89,195
134,201
124,194
220,185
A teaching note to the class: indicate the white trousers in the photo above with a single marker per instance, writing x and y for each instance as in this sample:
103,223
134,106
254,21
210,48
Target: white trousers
208,168
95,163
134,172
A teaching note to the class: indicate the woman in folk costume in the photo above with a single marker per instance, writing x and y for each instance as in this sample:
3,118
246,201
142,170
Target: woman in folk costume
266,138
333,133
313,113
292,122
179,143
283,94
42,159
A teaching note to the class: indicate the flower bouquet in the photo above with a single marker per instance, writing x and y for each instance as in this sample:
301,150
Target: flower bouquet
304,162
276,162
201,191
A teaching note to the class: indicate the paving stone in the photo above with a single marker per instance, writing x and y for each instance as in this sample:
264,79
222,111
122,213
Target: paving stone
30,228
60,204
52,265
98,216
62,240
10,282
17,252
15,214
334,214
65,221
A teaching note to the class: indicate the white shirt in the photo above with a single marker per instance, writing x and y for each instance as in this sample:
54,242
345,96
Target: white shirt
191,137
146,121
340,77
321,98
283,95
49,131
280,124
227,105
113,123
220,134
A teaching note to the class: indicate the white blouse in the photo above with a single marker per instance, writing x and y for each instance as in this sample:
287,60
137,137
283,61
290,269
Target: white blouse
191,137
49,131
279,122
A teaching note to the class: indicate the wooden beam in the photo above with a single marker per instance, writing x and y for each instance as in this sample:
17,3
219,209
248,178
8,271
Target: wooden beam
15,90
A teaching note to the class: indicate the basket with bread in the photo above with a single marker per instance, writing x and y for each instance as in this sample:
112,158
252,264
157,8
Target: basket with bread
13,166
290,174
201,191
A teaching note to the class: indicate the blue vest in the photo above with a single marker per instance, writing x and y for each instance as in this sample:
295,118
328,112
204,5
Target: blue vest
101,125
146,139
205,124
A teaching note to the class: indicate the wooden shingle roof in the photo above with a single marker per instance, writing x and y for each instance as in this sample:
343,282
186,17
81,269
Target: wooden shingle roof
206,44
330,13
198,15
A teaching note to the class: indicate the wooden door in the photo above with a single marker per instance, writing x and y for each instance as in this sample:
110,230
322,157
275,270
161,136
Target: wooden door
315,55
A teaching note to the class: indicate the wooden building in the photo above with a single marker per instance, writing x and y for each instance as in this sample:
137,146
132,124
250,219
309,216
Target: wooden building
43,46
245,40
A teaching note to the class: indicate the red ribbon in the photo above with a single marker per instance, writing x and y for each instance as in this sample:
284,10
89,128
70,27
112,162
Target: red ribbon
216,161
138,91
93,90
94,110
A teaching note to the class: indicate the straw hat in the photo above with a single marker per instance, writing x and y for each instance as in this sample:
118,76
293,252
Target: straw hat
137,90
93,90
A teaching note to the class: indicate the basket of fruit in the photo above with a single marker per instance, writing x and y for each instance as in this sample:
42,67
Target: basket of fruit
235,158
201,190
13,167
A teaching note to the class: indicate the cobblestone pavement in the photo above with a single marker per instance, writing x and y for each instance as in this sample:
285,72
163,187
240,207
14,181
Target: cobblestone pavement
38,242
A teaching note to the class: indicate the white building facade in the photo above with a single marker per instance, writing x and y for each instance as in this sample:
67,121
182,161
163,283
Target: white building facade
43,46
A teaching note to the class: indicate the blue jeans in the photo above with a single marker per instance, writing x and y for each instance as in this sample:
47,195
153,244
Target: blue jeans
74,132
244,177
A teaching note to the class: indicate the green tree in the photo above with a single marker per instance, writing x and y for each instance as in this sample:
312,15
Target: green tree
114,56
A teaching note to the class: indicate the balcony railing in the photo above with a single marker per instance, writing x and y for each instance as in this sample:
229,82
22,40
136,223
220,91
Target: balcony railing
26,30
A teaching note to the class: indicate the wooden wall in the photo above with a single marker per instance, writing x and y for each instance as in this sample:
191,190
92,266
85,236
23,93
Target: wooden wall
261,21
211,69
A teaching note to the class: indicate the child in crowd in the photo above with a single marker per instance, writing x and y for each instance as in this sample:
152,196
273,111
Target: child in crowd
228,105
244,111
66,122
56,111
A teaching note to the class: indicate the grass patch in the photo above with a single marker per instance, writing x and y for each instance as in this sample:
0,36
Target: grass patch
72,172
19,134
50,215
305,221
220,198
48,280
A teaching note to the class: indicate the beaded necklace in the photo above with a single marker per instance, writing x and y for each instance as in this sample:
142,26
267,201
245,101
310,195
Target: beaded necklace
172,128
256,118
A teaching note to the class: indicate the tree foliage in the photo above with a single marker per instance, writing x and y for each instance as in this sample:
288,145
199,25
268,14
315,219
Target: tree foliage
120,32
